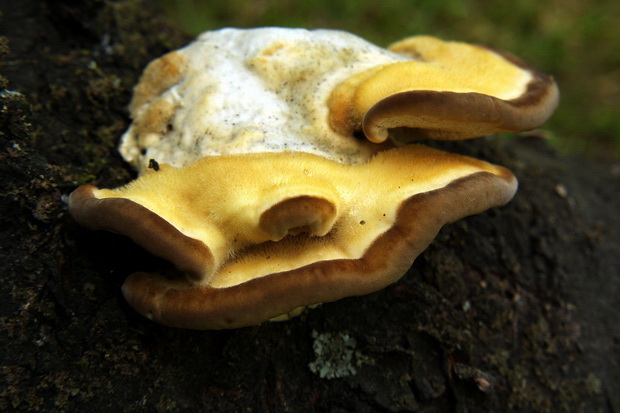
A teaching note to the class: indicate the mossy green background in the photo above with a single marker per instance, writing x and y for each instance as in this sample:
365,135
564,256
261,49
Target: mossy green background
577,41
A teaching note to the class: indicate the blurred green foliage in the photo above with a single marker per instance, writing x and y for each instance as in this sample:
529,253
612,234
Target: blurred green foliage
578,41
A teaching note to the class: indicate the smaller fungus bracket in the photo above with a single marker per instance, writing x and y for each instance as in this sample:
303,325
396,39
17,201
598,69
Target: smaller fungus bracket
448,90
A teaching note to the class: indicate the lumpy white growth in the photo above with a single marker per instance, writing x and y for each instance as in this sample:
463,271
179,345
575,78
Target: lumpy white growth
259,90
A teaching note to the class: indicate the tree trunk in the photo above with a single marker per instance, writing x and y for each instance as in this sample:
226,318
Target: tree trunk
510,310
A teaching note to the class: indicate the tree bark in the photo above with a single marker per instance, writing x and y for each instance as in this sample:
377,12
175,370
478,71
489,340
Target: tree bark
510,310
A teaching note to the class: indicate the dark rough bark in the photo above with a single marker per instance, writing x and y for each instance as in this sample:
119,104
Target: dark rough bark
511,310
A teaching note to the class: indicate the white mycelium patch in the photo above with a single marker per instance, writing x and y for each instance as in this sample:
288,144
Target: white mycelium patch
259,90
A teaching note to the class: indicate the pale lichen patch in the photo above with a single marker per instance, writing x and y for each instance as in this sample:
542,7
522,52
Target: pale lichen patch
336,355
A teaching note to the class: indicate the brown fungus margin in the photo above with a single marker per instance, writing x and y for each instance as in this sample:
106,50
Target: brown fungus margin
179,301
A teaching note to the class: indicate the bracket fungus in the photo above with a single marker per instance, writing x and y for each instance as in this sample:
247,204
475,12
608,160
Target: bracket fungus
285,174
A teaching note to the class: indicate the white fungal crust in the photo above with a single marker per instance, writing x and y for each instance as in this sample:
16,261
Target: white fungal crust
239,91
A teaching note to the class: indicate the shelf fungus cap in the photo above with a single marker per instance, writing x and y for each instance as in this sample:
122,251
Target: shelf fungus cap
446,90
254,181
256,236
